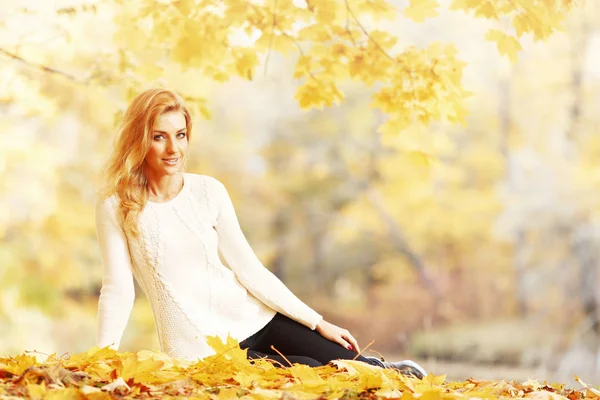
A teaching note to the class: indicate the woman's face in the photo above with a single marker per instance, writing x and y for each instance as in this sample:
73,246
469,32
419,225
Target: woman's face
169,144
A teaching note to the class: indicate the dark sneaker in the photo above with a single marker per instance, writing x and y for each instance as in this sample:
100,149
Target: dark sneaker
408,368
405,367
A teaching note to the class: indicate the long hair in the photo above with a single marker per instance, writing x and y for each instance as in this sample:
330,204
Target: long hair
124,173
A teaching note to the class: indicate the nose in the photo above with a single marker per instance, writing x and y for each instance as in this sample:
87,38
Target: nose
172,146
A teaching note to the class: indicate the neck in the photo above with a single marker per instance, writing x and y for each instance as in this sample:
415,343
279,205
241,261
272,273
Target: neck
164,187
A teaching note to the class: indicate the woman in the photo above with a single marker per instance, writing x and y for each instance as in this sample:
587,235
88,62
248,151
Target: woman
165,227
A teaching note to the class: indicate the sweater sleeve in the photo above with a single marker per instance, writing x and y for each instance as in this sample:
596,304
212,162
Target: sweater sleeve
117,293
251,273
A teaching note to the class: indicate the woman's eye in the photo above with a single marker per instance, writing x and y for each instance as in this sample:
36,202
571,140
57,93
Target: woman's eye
183,134
157,137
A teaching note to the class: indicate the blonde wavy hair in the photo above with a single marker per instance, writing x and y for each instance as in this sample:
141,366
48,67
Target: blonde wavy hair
124,173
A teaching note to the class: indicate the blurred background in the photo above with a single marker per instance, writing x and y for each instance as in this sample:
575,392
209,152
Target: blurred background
479,259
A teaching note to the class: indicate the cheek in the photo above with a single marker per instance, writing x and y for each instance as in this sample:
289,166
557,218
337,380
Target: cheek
153,152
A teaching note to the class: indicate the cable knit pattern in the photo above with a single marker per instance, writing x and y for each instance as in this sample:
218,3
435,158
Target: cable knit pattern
177,265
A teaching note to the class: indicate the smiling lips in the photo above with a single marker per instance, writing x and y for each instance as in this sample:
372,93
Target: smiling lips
171,161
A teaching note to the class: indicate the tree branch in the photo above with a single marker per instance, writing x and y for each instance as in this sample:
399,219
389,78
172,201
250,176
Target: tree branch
348,24
400,242
41,67
272,36
301,51
362,28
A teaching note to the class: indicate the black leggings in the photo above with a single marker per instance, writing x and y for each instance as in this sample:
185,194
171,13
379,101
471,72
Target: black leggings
298,343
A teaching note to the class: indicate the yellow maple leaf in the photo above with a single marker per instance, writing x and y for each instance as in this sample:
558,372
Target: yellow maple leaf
369,376
275,42
544,395
430,394
246,61
230,349
487,10
303,66
325,11
37,391
67,393
521,23
434,380
507,45
17,365
380,9
460,5
315,32
248,378
419,10
533,384
384,39
140,370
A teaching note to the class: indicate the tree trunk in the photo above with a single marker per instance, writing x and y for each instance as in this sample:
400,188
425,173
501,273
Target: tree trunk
519,254
583,248
317,230
401,244
582,238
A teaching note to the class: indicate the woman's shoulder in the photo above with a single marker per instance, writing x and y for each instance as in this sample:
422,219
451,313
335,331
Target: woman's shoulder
105,201
106,206
207,189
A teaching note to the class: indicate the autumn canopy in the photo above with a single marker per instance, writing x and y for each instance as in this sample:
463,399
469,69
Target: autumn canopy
414,85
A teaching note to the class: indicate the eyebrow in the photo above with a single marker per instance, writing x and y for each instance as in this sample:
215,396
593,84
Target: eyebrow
179,131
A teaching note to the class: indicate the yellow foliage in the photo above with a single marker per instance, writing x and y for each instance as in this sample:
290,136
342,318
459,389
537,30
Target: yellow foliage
380,9
333,43
225,377
507,45
420,10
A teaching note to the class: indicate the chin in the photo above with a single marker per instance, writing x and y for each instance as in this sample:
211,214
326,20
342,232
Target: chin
172,171
162,171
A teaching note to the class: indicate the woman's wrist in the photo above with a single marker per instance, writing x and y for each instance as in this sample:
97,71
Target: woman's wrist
320,325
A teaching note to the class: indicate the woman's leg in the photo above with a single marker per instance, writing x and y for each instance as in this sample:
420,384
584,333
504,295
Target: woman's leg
293,338
281,362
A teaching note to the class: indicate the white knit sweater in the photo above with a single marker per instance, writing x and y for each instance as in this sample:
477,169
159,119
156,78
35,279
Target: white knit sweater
176,263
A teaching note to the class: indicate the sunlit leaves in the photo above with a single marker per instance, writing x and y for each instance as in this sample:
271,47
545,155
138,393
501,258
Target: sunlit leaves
316,93
229,350
430,89
101,373
325,11
539,18
507,45
420,10
245,62
333,43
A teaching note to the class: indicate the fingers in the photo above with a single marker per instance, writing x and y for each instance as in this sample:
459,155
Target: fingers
340,336
352,342
348,341
344,343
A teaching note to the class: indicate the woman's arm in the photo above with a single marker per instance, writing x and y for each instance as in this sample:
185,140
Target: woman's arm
257,279
117,293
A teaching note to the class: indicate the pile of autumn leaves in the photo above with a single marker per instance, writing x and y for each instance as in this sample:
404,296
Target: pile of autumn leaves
106,374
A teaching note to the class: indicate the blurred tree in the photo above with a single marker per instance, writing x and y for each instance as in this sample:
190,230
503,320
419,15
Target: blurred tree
550,201
69,73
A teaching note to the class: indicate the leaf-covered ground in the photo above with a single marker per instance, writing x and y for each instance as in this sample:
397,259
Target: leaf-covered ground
105,374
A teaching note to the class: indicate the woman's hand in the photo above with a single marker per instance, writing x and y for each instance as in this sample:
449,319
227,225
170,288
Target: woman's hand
337,335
